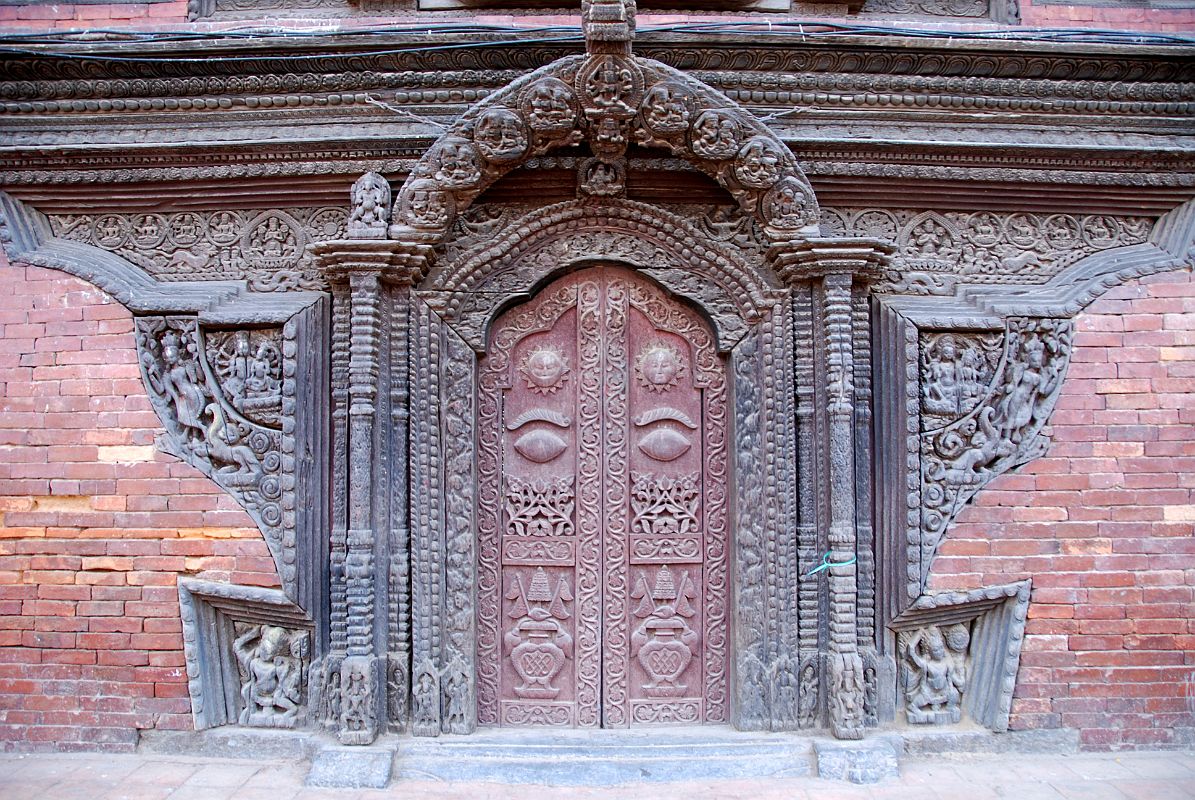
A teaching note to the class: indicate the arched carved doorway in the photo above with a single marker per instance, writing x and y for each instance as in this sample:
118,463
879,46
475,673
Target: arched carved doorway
602,509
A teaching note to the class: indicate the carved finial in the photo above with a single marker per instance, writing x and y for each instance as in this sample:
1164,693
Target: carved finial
609,25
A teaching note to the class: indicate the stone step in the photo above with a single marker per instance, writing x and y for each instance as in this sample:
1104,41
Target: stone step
599,758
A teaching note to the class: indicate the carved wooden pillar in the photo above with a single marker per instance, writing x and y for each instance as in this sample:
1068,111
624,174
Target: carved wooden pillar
836,268
371,282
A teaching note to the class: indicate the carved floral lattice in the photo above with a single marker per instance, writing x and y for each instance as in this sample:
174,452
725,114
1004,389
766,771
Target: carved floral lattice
663,505
539,507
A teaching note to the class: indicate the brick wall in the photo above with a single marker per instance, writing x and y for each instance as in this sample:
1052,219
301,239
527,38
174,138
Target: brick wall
1105,525
95,526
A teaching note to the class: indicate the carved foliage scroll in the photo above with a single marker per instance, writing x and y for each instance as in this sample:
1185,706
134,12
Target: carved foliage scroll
994,428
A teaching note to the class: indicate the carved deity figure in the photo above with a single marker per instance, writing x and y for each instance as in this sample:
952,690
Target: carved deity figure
807,697
787,206
549,106
370,207
1030,380
759,164
222,443
952,381
936,674
941,390
609,85
181,382
355,713
274,239
428,207
271,660
602,180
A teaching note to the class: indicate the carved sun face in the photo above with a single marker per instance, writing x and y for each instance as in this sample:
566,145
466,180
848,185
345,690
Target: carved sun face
659,367
544,369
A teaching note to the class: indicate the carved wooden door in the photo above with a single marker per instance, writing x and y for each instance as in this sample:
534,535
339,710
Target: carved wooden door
602,510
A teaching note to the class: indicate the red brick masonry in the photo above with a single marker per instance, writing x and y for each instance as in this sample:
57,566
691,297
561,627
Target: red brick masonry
95,525
1105,526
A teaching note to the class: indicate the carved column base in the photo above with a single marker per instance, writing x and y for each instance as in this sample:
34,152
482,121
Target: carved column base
846,695
360,688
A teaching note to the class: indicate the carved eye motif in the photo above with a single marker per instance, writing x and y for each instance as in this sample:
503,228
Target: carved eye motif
540,446
664,444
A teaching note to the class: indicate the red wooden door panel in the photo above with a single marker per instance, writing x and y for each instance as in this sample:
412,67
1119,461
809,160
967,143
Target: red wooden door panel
602,511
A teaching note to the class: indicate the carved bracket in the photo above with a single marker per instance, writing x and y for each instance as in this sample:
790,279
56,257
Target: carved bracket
248,652
959,652
990,428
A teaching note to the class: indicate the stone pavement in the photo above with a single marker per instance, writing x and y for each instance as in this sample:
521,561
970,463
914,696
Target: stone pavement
1085,776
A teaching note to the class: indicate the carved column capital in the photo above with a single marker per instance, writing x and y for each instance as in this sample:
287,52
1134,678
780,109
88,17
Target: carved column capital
800,260
402,263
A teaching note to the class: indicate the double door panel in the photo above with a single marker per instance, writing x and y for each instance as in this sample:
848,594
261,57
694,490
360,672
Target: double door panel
602,512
